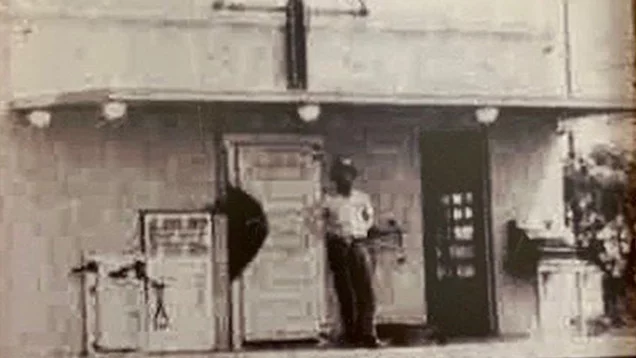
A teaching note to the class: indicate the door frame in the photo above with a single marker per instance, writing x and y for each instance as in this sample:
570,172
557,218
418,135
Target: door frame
229,143
483,138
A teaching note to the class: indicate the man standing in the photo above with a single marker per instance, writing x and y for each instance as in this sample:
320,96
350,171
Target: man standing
348,219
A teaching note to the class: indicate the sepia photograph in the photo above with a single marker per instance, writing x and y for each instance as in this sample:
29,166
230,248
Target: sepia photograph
317,178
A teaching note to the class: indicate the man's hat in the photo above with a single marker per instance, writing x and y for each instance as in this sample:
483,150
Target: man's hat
342,164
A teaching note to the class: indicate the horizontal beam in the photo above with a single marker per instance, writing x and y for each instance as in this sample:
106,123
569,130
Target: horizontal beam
140,95
62,99
239,7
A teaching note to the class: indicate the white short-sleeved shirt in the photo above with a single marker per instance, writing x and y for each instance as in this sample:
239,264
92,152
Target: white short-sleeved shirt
348,216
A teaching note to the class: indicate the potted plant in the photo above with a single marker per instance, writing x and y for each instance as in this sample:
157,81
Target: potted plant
601,213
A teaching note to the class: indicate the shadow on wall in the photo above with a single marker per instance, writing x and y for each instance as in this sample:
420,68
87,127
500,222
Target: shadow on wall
247,227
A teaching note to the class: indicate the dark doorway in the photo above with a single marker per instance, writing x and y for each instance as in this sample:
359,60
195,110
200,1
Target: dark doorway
456,255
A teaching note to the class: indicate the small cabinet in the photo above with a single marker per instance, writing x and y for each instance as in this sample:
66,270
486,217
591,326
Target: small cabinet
570,296
569,288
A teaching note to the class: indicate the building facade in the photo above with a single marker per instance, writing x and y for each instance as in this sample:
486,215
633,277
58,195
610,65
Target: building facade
397,88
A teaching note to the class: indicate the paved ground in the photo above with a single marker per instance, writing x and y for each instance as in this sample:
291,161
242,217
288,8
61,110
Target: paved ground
574,348
609,344
607,347
617,347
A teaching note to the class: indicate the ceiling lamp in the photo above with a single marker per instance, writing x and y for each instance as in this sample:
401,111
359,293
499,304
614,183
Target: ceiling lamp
39,118
309,112
487,115
113,111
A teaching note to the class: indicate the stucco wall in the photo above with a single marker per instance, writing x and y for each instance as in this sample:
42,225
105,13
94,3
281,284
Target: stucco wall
459,48
541,50
107,54
527,185
187,46
73,187
602,55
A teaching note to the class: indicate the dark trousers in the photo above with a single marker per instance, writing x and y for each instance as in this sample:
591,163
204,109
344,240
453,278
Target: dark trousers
613,290
353,273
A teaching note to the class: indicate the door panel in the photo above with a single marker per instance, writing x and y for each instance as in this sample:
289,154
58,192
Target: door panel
282,287
392,177
178,249
455,247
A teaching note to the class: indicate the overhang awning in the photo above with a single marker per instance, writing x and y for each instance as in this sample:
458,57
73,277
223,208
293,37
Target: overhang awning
141,95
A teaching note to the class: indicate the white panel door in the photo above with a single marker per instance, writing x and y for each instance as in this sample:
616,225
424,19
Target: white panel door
178,249
283,287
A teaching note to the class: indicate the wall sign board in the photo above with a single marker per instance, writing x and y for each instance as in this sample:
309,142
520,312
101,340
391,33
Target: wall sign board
179,255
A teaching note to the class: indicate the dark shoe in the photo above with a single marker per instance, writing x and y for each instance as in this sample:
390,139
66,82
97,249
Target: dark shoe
345,341
371,342
439,337
336,342
618,322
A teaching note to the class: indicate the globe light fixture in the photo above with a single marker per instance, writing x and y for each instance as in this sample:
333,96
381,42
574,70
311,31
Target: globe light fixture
112,111
309,112
39,118
487,115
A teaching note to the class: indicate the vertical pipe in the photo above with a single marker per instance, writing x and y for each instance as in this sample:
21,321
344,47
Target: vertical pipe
487,223
221,182
220,163
296,45
84,350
